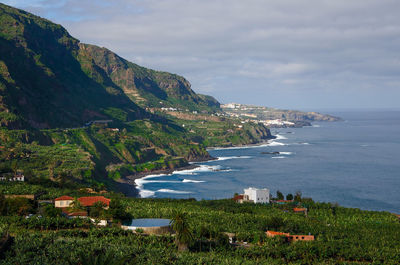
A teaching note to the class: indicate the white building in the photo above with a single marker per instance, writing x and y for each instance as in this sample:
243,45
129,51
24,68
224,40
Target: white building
17,177
256,195
63,202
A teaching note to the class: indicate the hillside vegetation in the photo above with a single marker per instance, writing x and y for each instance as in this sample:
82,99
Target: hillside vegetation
342,236
79,112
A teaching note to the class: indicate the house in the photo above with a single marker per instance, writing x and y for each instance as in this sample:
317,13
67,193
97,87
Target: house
83,214
300,210
289,237
99,222
74,214
253,195
274,233
66,201
293,238
256,195
238,198
63,202
18,177
90,201
11,177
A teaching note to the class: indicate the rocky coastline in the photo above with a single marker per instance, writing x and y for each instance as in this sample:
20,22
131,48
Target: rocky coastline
127,184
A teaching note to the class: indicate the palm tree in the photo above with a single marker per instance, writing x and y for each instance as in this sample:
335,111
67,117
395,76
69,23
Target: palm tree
182,229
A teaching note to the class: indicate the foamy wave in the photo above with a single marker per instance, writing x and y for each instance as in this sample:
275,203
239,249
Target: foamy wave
173,191
192,181
140,182
269,143
231,157
274,143
285,153
160,181
146,193
278,157
150,178
316,125
184,172
280,137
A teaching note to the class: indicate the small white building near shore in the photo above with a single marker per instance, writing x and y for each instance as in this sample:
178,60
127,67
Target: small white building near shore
256,195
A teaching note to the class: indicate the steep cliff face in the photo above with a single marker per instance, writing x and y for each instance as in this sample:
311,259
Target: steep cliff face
146,87
42,82
48,79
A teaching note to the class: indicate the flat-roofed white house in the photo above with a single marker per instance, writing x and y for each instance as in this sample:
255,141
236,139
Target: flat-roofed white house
63,202
256,195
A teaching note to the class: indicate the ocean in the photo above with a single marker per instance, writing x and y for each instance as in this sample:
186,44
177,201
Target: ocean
355,163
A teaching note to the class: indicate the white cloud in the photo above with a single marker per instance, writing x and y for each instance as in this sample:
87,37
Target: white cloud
234,49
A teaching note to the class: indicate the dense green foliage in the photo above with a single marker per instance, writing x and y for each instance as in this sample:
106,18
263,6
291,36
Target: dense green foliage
78,114
343,236
48,79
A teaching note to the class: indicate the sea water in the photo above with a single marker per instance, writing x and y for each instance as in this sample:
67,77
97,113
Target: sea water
355,162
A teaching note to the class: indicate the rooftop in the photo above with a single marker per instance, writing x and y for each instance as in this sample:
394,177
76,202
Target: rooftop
64,198
89,201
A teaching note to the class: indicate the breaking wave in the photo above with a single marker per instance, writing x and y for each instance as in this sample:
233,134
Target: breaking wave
173,191
192,181
231,157
146,193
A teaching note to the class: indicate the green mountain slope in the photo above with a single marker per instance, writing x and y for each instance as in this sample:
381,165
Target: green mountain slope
49,79
146,87
54,90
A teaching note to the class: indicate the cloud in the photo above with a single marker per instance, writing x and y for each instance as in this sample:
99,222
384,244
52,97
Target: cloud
331,51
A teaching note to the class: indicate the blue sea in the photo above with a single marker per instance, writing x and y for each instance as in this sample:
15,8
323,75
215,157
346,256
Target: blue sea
354,162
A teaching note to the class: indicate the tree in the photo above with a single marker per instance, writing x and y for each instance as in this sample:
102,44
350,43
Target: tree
279,195
97,210
20,206
14,167
181,227
117,210
3,205
50,211
297,196
289,197
274,223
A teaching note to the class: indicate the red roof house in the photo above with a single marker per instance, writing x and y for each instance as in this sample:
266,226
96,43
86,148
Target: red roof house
89,201
274,233
301,238
78,214
64,198
290,237
296,210
63,202
238,197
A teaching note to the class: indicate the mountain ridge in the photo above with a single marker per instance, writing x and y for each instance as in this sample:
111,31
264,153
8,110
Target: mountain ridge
80,114
40,61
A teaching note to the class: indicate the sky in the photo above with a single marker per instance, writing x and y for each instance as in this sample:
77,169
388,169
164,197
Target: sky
297,54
